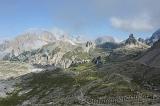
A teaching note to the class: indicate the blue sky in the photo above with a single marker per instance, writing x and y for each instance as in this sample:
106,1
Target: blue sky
90,18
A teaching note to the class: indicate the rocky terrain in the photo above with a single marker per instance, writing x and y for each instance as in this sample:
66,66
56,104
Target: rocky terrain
10,73
67,72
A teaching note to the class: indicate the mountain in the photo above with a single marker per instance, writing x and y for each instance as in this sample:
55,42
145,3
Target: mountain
155,37
27,41
31,41
152,56
66,51
104,39
132,42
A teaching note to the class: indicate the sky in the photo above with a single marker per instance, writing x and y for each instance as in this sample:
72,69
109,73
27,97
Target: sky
90,18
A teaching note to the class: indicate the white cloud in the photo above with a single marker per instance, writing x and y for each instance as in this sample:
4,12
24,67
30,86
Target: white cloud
130,15
134,24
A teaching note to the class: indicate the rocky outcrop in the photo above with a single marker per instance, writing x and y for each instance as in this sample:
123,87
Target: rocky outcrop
89,45
131,40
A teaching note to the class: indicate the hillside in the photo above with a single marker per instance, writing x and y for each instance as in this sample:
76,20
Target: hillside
87,84
152,56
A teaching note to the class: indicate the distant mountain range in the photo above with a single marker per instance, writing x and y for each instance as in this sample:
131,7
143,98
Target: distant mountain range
44,47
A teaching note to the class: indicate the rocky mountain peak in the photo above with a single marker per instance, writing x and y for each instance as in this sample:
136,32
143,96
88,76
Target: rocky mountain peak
131,40
155,37
89,43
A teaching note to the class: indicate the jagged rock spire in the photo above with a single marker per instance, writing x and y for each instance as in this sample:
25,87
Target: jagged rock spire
131,40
